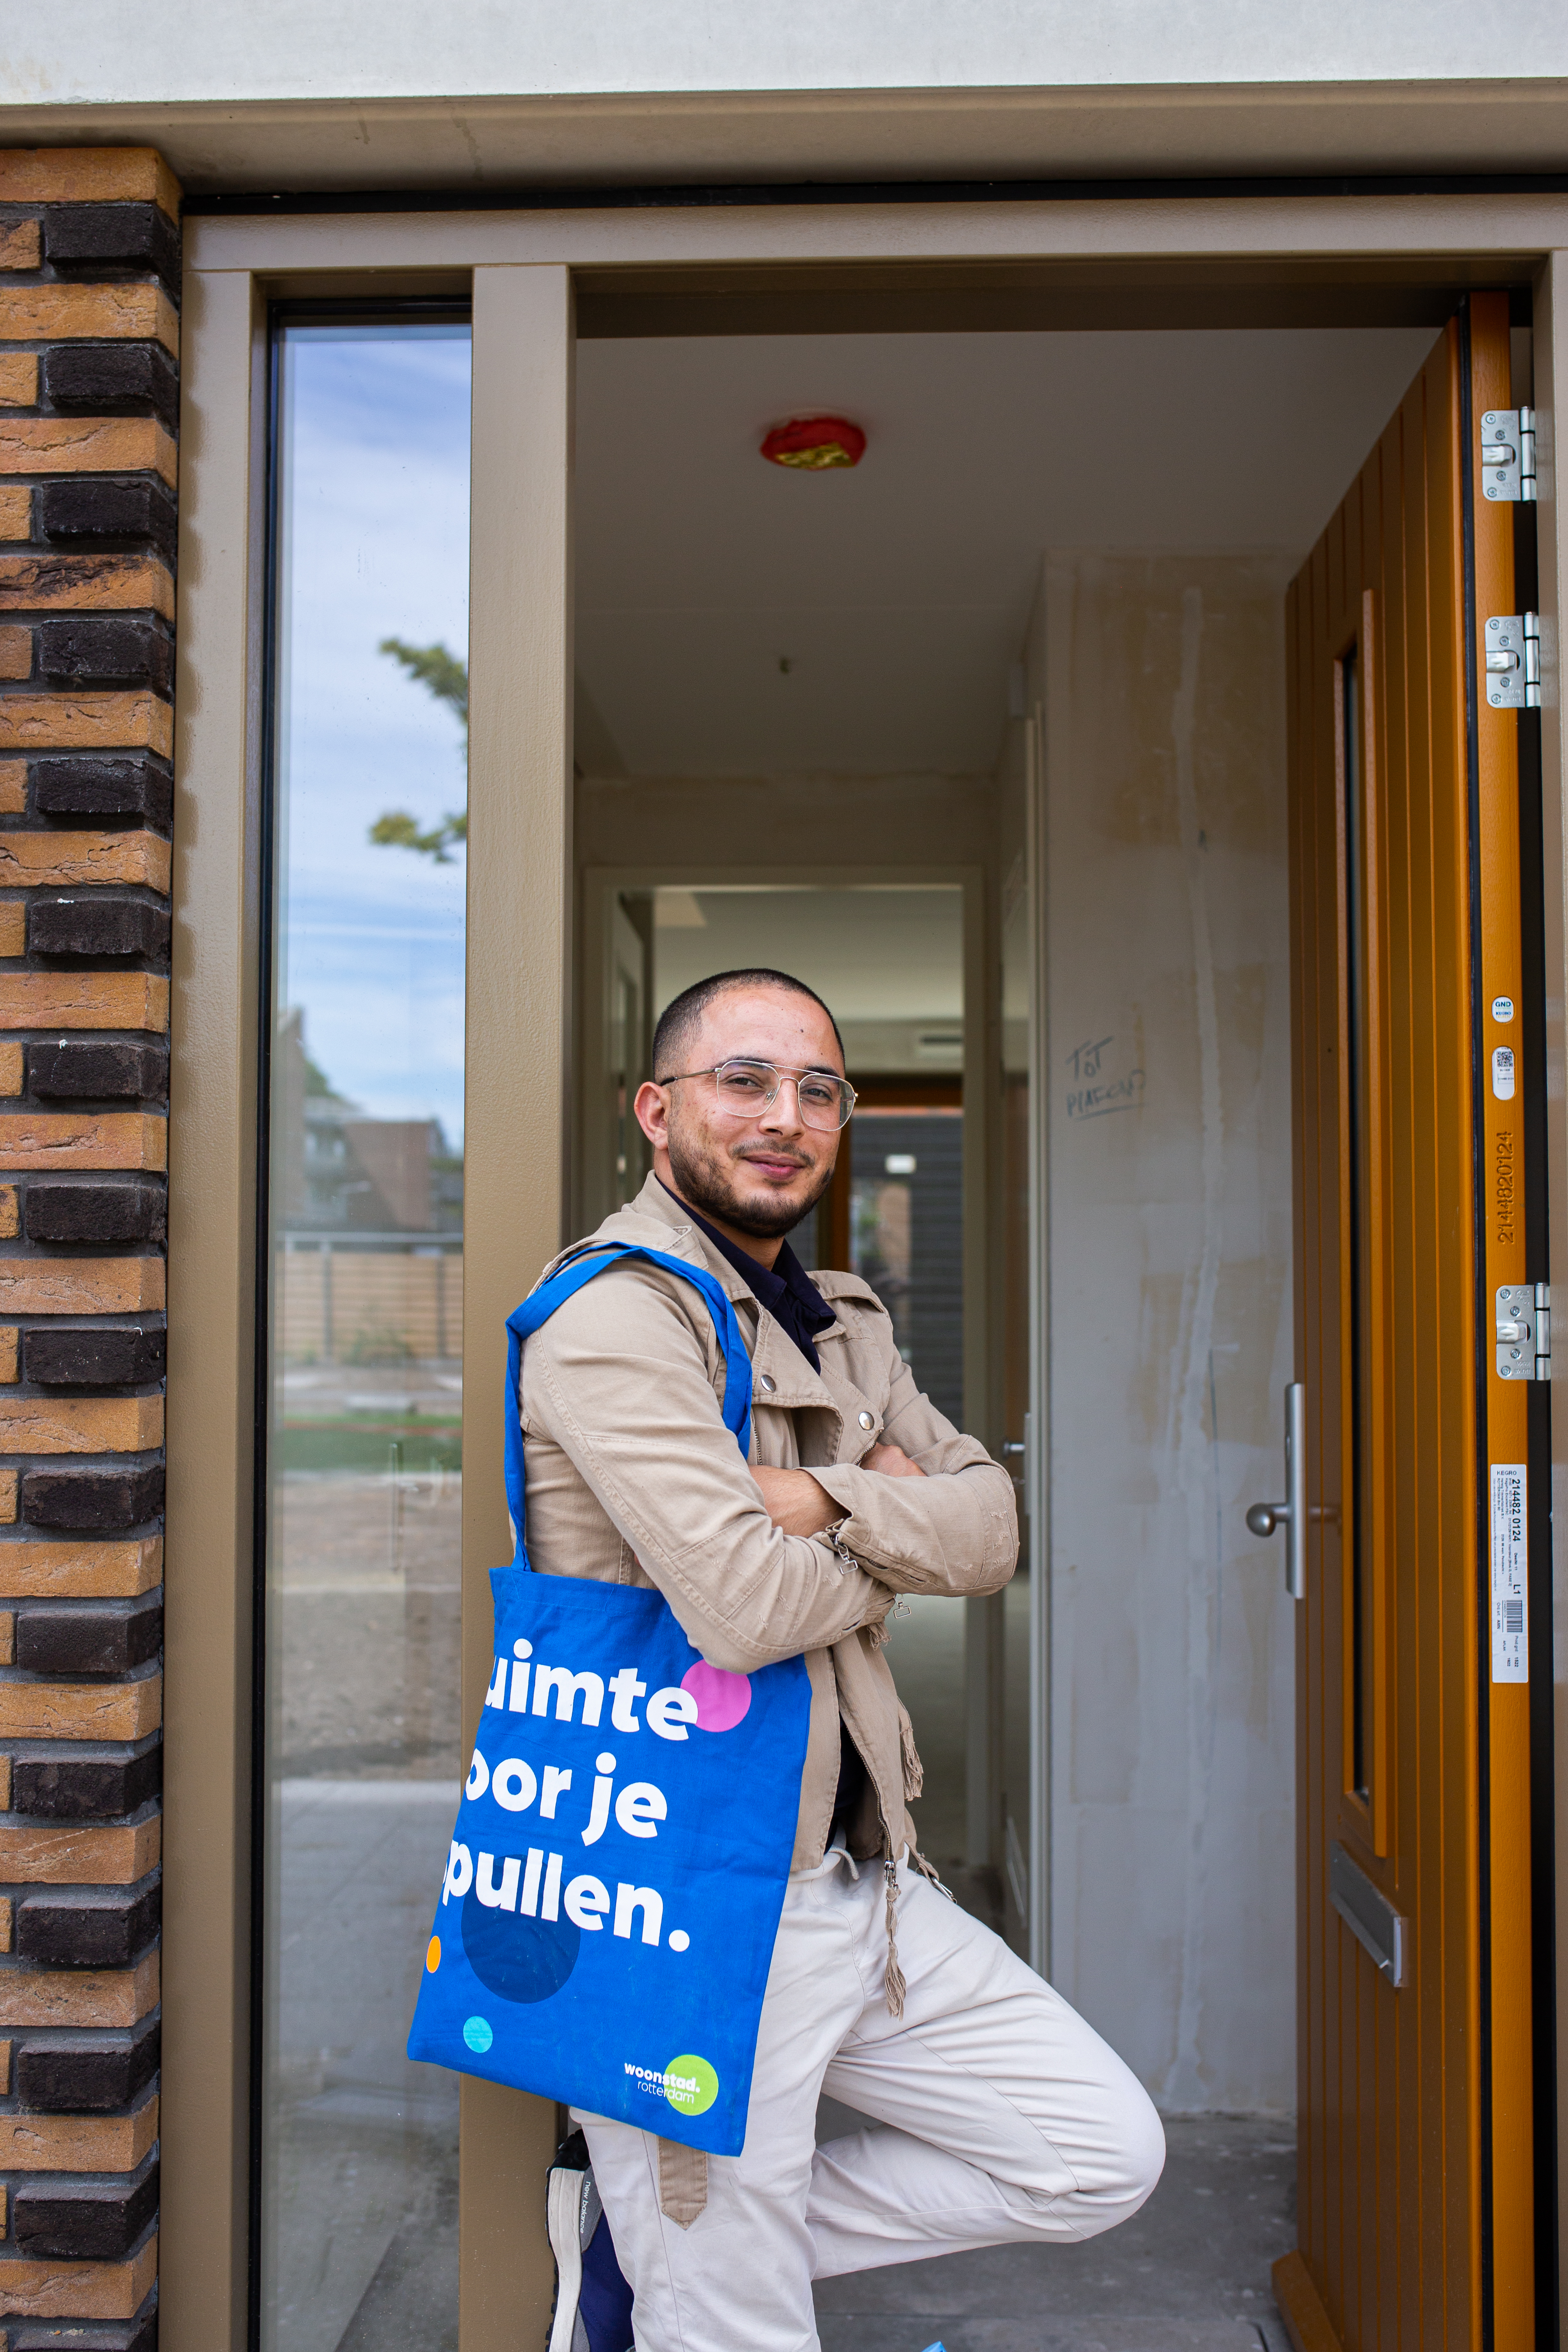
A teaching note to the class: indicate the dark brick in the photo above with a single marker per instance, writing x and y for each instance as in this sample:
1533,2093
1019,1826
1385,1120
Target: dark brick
84,1788
86,2335
77,1209
90,1501
137,511
107,1640
113,380
128,784
98,923
71,2075
100,1069
88,650
97,238
85,2220
71,1928
93,1355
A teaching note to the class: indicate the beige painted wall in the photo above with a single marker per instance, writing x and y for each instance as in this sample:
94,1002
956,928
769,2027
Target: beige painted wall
1170,1209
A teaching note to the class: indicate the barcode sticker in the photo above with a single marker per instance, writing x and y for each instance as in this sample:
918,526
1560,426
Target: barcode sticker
1511,1550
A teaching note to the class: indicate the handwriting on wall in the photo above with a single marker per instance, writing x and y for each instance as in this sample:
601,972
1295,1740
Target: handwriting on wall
1097,1088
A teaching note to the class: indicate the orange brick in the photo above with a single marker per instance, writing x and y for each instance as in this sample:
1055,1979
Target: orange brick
116,1998
7,1909
75,722
86,445
60,860
88,176
63,314
12,927
5,1802
57,1424
77,1856
85,584
32,1141
21,246
10,1339
80,1571
31,2290
16,653
8,1497
79,1711
5,2067
10,1070
13,787
79,2143
15,512
18,379
80,1285
83,1000
10,1219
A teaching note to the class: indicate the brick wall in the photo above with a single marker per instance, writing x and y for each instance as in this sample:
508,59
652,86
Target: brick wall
88,346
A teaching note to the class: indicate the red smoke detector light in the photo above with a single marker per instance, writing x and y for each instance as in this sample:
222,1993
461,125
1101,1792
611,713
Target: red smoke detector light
814,443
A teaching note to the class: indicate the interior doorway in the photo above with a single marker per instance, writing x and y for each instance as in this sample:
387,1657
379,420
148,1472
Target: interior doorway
981,648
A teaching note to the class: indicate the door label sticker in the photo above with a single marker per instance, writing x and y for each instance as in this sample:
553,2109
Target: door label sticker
1510,1600
1503,1072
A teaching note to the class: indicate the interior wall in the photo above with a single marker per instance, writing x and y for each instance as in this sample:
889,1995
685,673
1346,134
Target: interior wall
1172,1677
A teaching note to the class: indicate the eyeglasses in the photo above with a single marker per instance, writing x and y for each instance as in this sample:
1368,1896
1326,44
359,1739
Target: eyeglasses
745,1088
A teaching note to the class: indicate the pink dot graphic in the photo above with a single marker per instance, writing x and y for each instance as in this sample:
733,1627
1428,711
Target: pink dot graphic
721,1699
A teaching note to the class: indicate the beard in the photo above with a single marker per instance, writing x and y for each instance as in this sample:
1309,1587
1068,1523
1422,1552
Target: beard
705,1180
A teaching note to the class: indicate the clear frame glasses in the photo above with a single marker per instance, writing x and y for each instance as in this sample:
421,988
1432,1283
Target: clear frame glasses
745,1088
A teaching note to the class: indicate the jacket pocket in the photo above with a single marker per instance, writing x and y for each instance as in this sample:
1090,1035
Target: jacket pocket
914,1770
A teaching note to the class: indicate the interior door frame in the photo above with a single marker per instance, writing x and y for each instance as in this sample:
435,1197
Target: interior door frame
1257,258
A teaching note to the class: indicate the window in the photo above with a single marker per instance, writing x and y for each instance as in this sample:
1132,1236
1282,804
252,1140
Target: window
358,1723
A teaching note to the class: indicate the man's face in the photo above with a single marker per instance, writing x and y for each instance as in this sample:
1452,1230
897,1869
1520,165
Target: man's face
761,1171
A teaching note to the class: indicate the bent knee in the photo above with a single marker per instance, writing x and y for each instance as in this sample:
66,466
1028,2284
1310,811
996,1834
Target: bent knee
1129,2170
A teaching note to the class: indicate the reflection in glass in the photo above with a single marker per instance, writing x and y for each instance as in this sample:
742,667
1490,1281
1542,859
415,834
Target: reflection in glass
365,1202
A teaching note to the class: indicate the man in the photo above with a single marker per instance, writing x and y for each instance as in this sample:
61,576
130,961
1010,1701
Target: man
1000,2115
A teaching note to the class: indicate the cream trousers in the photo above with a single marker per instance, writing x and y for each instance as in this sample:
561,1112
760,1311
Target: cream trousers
1000,2116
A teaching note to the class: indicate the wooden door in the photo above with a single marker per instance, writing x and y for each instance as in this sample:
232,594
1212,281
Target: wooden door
1416,2191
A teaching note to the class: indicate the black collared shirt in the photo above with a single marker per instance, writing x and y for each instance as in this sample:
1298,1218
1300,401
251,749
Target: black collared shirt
784,1288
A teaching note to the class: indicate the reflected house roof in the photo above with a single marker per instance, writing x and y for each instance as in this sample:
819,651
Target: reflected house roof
340,1170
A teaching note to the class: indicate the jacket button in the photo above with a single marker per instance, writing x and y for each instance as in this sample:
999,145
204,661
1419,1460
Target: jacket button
768,1381
868,1420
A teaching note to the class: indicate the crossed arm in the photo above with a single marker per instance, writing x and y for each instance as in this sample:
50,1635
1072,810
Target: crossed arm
797,1505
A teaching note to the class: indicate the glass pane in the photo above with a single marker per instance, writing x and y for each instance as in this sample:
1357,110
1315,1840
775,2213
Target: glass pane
365,1200
1357,915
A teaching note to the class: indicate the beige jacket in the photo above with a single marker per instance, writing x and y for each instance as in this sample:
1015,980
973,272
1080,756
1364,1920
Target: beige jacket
633,1478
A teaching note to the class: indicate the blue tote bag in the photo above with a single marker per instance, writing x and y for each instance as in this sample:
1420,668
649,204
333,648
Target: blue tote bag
612,1891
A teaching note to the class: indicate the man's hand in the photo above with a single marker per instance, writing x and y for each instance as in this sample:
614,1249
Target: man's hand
892,1462
797,1505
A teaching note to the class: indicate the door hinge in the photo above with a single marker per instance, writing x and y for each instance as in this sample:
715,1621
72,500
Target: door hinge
1508,452
1512,661
1524,1331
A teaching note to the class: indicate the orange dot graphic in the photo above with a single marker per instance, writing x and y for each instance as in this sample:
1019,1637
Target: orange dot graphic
433,1957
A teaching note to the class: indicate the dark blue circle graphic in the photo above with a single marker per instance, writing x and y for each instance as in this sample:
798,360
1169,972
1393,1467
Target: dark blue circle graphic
519,1959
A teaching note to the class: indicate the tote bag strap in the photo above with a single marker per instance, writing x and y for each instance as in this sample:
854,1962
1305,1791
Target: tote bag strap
541,1305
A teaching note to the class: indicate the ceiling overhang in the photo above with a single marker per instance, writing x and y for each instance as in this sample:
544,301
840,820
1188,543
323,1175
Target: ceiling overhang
485,148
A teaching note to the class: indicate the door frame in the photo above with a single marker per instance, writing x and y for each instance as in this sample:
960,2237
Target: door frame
1252,257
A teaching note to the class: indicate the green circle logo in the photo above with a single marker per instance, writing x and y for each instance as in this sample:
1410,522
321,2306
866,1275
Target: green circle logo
691,2085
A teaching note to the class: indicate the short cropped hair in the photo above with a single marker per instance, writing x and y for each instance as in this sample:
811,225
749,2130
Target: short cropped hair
677,1022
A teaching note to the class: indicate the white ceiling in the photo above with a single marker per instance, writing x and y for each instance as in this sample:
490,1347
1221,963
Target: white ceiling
874,954
899,593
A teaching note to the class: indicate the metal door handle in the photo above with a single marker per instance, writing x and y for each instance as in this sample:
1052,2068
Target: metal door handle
1291,1514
